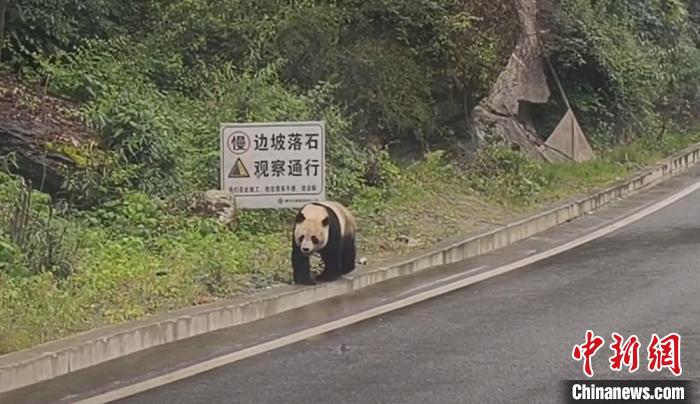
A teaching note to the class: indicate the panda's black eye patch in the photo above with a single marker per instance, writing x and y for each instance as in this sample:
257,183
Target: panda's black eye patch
314,239
301,238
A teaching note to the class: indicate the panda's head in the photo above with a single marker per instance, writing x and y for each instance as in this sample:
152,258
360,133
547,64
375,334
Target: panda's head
311,229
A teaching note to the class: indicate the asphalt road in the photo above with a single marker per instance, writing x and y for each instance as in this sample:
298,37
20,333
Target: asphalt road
504,340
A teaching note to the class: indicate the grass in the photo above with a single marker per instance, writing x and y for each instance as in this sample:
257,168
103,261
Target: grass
137,258
613,164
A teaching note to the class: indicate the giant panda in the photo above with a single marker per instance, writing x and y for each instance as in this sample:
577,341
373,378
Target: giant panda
327,228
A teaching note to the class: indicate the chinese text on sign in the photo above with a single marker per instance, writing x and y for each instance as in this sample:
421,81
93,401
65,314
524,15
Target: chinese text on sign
273,165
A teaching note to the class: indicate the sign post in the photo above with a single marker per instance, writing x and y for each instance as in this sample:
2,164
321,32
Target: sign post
275,164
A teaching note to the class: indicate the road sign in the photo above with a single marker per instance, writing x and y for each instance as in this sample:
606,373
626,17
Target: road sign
239,170
274,164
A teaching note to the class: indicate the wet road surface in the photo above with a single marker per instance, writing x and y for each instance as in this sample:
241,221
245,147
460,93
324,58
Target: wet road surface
504,340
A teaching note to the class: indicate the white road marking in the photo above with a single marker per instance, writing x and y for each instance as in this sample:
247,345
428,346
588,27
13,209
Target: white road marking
447,278
376,311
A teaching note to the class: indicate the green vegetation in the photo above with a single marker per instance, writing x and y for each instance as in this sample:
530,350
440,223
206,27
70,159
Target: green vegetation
153,79
631,67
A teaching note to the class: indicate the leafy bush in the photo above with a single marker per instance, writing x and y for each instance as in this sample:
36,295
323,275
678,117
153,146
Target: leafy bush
133,214
10,256
380,170
626,64
32,238
148,128
135,120
98,177
42,27
389,59
506,174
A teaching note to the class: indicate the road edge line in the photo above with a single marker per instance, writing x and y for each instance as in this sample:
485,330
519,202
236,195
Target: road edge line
63,356
298,336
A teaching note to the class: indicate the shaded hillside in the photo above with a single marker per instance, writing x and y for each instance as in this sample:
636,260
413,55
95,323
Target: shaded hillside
34,129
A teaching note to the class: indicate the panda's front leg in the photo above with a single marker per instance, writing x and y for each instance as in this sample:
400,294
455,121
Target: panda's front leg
332,265
301,267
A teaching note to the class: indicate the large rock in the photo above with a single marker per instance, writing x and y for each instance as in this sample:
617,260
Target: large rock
216,203
44,170
504,113
32,124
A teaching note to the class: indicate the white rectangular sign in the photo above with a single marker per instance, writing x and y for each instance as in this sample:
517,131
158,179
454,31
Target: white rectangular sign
274,164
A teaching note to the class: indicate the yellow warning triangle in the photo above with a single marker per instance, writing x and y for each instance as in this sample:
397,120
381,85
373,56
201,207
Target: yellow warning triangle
238,170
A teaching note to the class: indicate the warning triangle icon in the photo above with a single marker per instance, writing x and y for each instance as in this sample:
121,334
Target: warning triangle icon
239,170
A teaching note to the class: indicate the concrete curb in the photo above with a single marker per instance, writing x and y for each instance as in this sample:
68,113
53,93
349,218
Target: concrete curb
69,354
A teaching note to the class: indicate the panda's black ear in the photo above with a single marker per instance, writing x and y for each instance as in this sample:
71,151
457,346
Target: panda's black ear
326,221
300,217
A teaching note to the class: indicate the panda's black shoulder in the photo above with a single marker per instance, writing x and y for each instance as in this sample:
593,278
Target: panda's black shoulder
341,215
334,219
